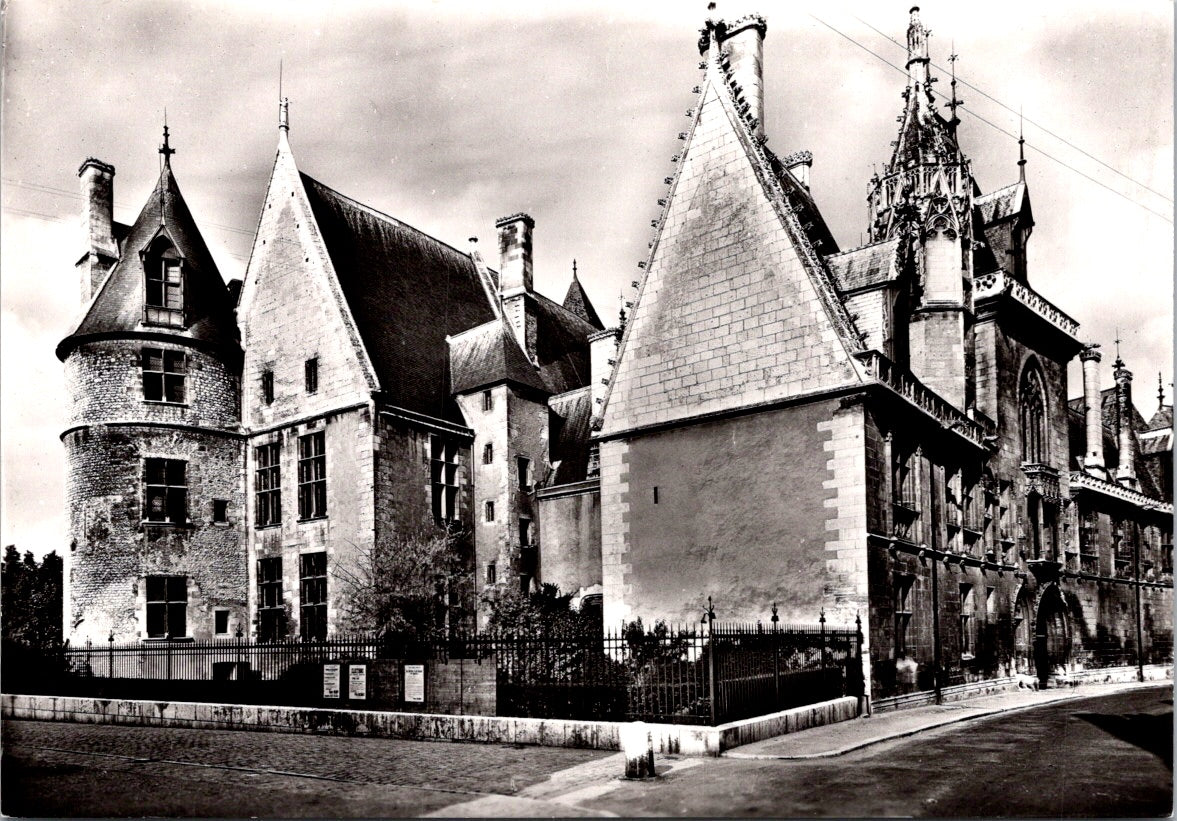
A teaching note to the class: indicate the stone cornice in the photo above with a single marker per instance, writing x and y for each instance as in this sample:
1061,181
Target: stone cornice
997,284
1085,481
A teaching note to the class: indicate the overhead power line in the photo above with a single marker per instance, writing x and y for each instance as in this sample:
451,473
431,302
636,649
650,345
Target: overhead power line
993,125
1034,123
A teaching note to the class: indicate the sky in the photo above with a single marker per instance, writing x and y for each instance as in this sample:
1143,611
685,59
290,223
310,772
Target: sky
450,114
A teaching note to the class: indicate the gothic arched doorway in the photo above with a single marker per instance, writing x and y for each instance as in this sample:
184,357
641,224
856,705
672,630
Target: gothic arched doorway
1052,646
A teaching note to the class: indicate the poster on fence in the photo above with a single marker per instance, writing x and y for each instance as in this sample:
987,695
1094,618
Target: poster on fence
415,682
330,681
357,681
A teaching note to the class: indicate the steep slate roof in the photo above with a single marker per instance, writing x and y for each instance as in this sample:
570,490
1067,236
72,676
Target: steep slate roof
407,292
1163,418
869,265
490,353
1002,203
570,445
487,355
562,348
117,306
577,302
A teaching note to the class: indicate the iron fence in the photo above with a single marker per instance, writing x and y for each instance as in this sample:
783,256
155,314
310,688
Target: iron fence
695,674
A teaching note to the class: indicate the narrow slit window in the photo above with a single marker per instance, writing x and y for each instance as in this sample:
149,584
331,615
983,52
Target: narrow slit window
311,373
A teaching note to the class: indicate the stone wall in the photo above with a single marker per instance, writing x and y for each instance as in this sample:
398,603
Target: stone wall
570,520
750,510
346,533
112,548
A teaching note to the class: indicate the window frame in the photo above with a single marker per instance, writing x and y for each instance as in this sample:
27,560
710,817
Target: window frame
488,401
312,595
444,464
488,511
217,614
523,472
312,476
904,583
172,603
159,382
271,603
268,387
310,375
488,453
968,614
267,485
1032,415
174,493
220,511
164,297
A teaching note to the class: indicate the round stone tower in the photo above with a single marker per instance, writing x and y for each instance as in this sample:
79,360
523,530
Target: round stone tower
154,486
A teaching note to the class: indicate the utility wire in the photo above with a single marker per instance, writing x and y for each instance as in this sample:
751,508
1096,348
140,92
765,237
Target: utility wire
989,123
1038,125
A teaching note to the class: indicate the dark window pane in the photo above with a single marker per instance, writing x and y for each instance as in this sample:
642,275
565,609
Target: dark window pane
177,588
175,388
155,471
175,362
156,504
176,470
221,622
153,387
156,588
177,620
152,359
156,620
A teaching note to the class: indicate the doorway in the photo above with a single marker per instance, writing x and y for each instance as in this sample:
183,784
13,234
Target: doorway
1051,640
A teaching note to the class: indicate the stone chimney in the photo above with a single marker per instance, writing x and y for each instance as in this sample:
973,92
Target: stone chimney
100,251
742,41
1126,472
515,278
799,163
602,357
1092,413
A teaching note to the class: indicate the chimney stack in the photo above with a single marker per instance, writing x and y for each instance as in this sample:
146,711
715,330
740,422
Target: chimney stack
799,163
1092,413
515,278
742,41
100,251
1126,472
515,252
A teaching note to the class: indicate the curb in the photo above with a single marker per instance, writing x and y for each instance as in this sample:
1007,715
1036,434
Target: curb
982,713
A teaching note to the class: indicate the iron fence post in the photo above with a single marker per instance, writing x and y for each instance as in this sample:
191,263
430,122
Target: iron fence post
110,654
776,657
860,674
709,619
168,643
821,620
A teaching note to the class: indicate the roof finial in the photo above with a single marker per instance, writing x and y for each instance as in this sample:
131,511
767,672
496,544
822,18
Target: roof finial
165,150
1160,391
1119,363
283,104
574,267
954,103
1021,149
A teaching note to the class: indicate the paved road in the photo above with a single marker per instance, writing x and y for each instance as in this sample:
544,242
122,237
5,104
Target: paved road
1104,756
1101,756
56,770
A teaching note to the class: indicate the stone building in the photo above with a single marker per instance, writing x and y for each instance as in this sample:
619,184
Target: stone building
153,445
881,431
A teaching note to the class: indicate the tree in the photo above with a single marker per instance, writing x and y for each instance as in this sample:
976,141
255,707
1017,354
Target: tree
415,584
32,598
546,610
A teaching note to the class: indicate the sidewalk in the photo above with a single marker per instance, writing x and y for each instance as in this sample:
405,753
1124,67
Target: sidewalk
841,738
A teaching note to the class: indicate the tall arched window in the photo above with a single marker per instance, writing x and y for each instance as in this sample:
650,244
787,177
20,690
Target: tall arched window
1032,409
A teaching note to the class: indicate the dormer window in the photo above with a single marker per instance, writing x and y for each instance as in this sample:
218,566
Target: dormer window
164,298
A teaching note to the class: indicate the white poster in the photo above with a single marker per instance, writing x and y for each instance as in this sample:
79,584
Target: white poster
330,681
357,681
415,682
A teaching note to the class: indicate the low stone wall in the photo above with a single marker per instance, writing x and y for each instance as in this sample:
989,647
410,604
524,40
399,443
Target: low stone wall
975,689
600,735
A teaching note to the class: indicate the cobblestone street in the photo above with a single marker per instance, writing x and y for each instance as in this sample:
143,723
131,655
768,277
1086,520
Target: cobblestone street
94,770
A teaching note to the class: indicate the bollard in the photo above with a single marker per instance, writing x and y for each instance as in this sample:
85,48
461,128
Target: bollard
638,746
